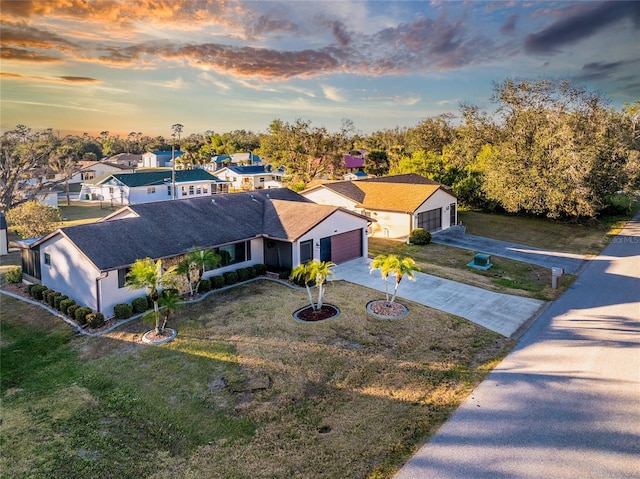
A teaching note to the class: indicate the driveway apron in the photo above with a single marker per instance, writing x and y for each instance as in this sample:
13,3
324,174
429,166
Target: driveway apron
498,312
456,237
566,402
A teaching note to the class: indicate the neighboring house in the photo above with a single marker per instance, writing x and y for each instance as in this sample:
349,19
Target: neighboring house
257,177
353,163
356,175
147,186
399,204
160,159
127,160
237,159
279,228
87,170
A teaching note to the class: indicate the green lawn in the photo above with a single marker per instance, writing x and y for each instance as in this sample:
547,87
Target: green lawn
243,391
587,239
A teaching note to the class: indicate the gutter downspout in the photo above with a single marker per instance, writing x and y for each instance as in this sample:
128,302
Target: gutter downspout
103,275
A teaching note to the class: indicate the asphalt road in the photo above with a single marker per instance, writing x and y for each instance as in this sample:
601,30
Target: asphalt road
455,236
566,402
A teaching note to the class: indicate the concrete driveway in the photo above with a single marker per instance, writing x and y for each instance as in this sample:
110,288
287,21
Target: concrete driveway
498,312
456,237
565,403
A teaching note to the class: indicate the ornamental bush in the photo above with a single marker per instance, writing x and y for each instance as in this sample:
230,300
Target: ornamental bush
58,299
71,310
139,305
95,320
51,297
64,305
420,236
252,272
37,290
14,275
217,282
204,286
243,274
81,314
260,268
230,277
123,310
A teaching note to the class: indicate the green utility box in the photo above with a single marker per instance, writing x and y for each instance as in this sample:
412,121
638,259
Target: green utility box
481,261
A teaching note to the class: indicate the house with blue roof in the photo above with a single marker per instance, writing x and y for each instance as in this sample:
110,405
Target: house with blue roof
255,177
149,186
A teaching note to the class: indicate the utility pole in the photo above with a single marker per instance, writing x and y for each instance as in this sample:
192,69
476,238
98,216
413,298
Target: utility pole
173,171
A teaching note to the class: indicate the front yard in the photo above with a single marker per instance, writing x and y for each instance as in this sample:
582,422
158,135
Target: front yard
243,391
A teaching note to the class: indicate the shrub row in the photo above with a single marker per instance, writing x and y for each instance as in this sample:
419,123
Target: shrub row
61,302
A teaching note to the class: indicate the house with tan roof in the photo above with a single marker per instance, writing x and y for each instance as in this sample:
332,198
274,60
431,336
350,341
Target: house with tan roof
399,204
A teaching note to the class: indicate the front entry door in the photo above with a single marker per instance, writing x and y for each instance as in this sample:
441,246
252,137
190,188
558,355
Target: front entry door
452,214
325,249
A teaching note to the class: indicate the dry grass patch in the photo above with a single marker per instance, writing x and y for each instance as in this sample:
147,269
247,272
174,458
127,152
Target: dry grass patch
246,391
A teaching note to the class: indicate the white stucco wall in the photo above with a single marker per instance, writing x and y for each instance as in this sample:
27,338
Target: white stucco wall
337,223
69,272
390,224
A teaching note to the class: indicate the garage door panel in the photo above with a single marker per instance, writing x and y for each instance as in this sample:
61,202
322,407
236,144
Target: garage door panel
346,246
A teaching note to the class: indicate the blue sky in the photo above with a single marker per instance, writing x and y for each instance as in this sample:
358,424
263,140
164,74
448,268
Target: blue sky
144,65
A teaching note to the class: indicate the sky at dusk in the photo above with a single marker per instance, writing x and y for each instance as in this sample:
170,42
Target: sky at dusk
143,65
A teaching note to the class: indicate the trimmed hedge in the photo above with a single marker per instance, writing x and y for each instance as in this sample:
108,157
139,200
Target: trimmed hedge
37,291
64,305
284,274
420,236
260,268
58,299
243,274
139,305
71,310
51,298
204,286
230,277
81,314
217,282
95,320
123,310
252,272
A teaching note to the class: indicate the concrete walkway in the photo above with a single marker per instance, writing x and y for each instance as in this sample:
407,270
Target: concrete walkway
456,237
498,312
565,403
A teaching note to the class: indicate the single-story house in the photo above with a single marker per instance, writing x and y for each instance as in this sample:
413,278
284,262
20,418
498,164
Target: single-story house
86,170
160,159
399,204
256,177
128,160
147,186
278,228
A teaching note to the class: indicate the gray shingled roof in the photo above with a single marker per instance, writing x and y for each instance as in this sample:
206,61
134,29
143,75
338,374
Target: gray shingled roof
169,228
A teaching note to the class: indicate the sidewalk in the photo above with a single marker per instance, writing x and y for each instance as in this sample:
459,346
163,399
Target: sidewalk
502,313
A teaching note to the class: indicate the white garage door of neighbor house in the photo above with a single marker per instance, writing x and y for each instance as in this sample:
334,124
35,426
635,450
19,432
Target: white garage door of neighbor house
346,246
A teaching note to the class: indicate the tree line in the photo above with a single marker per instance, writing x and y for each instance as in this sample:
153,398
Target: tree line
549,148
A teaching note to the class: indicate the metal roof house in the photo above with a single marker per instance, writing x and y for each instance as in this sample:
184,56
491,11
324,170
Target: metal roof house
148,186
278,228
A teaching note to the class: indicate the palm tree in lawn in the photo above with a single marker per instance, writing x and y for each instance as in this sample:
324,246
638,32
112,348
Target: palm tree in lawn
317,272
194,265
392,265
382,263
168,302
148,274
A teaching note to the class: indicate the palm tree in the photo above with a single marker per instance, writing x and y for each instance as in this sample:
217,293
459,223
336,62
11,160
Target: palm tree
317,272
147,274
169,301
380,262
399,267
194,264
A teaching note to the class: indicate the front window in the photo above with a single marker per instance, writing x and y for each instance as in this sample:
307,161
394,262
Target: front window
233,253
47,259
191,189
151,190
306,251
122,277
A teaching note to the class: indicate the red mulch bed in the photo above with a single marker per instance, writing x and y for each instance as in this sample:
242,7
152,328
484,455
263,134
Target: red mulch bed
325,312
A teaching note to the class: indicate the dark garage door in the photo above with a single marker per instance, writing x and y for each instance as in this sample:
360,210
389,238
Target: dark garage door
346,246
